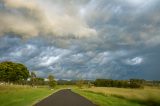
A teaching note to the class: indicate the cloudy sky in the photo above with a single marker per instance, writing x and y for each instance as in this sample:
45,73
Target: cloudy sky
73,39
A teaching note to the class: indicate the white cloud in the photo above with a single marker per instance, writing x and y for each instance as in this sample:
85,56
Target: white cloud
139,2
77,58
108,56
134,61
28,49
48,56
48,60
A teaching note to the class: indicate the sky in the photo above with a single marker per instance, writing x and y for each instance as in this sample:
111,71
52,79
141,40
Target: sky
89,39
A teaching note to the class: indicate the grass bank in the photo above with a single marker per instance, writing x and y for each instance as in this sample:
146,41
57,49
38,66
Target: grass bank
148,96
16,95
102,100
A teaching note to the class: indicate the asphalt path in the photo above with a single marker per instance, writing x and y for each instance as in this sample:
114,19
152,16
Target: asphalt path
65,98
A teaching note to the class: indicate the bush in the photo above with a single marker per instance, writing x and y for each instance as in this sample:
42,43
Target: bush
52,84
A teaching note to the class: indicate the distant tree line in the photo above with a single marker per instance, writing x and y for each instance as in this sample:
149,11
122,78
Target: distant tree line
132,83
152,83
66,82
72,82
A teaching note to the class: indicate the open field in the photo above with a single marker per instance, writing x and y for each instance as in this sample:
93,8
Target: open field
22,95
147,96
17,95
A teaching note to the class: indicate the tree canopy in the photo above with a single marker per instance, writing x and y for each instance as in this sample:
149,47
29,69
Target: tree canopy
12,72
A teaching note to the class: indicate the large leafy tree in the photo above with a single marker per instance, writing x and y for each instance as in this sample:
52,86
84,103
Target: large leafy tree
12,72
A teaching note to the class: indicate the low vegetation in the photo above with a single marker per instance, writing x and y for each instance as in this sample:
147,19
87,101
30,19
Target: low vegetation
148,96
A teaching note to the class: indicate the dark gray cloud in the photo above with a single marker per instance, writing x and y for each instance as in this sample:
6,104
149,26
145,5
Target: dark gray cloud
116,39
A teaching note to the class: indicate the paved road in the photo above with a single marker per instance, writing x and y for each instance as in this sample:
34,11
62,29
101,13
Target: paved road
65,98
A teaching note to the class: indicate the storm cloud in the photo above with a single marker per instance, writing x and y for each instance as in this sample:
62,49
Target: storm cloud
89,39
55,18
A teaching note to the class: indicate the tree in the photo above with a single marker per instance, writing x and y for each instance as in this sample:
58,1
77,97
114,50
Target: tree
33,79
80,83
39,81
89,84
13,72
51,82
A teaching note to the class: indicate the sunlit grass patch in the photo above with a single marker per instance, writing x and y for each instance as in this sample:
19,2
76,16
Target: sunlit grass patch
17,95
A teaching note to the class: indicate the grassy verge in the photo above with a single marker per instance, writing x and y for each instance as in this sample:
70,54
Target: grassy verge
103,100
148,96
22,95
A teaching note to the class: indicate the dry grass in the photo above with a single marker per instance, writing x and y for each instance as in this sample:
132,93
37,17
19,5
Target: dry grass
148,94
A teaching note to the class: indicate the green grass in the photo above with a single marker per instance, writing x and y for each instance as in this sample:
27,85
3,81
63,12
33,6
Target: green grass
148,96
22,95
16,95
103,100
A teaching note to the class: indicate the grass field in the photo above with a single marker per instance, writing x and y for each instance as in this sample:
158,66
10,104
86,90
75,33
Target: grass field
22,95
122,96
102,100
17,95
